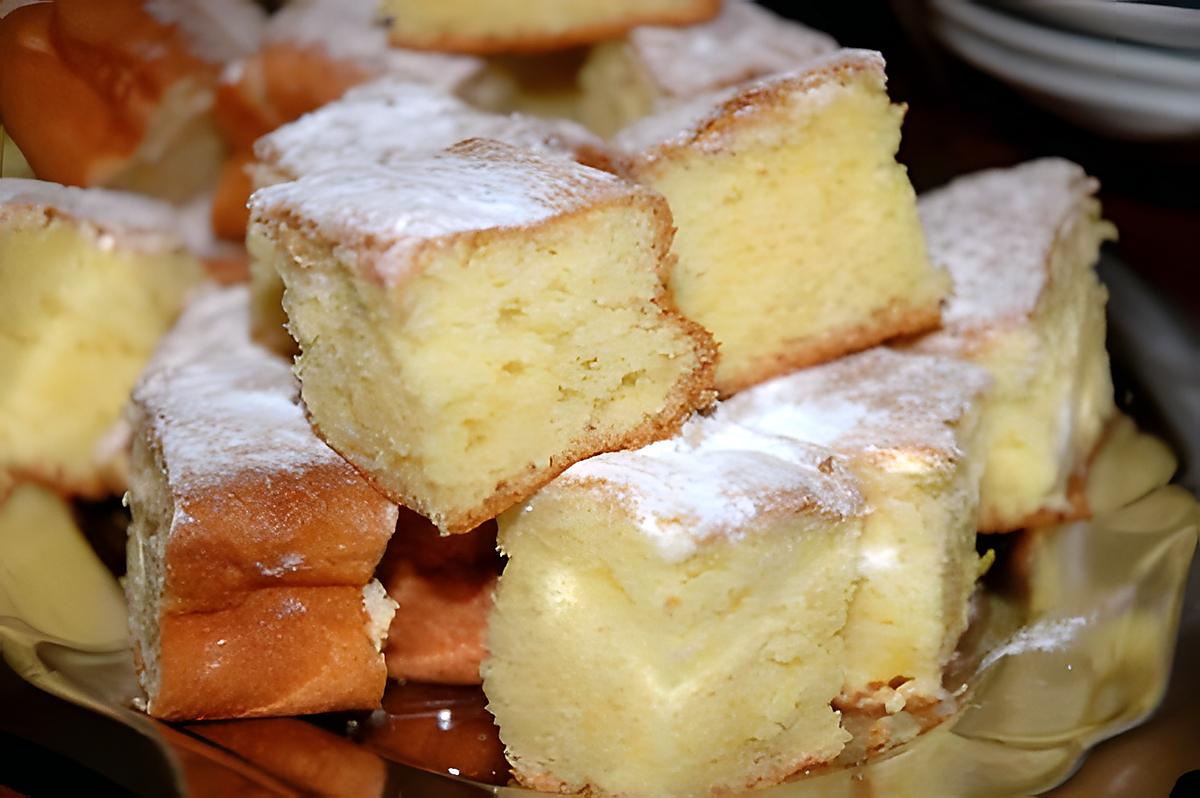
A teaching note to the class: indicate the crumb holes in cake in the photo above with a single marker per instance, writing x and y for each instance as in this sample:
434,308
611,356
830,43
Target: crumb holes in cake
631,379
514,367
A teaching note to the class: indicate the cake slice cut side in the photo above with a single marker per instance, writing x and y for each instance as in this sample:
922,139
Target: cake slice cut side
464,368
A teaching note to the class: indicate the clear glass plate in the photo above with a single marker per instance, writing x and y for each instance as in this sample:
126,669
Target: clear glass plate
1072,644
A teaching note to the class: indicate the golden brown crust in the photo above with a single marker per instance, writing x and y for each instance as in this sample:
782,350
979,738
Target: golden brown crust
890,322
107,66
701,11
280,651
302,528
443,586
302,755
1078,510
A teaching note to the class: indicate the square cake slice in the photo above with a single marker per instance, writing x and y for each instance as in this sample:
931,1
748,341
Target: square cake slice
523,26
908,427
669,619
89,281
799,239
652,66
387,121
253,544
473,323
1021,246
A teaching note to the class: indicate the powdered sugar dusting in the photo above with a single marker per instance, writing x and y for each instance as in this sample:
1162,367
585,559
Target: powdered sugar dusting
744,41
879,403
350,30
715,478
218,30
136,220
814,82
222,406
994,230
385,213
392,119
1053,634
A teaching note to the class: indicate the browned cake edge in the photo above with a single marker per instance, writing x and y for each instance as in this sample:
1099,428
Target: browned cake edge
701,11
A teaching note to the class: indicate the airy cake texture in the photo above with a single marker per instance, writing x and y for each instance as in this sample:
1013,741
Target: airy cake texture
908,426
472,323
253,544
387,121
89,281
798,236
1021,246
654,66
668,620
509,26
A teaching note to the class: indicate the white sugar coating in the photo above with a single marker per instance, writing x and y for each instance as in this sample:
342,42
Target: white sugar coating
223,407
715,479
385,213
132,220
744,41
813,83
351,30
994,231
392,119
894,408
217,30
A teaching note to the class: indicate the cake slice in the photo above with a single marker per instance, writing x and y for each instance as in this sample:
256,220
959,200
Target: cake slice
120,93
798,239
907,425
253,544
472,323
50,577
89,281
668,621
514,26
1021,246
312,52
653,66
387,121
443,586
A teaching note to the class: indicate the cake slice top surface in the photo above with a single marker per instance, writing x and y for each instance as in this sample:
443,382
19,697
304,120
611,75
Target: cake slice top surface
351,30
706,119
716,479
216,30
994,231
393,118
386,213
742,42
133,220
891,408
224,407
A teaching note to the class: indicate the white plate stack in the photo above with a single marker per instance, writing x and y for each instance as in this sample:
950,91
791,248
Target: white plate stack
1127,69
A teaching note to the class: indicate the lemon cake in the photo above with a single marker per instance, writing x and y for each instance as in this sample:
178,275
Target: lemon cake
653,66
253,545
386,121
120,93
89,281
443,585
683,601
798,239
908,425
507,26
312,52
472,323
1021,246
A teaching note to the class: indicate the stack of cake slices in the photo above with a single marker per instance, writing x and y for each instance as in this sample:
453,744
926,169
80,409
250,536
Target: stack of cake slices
671,419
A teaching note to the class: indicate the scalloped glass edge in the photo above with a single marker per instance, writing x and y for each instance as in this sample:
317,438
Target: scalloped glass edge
1082,654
